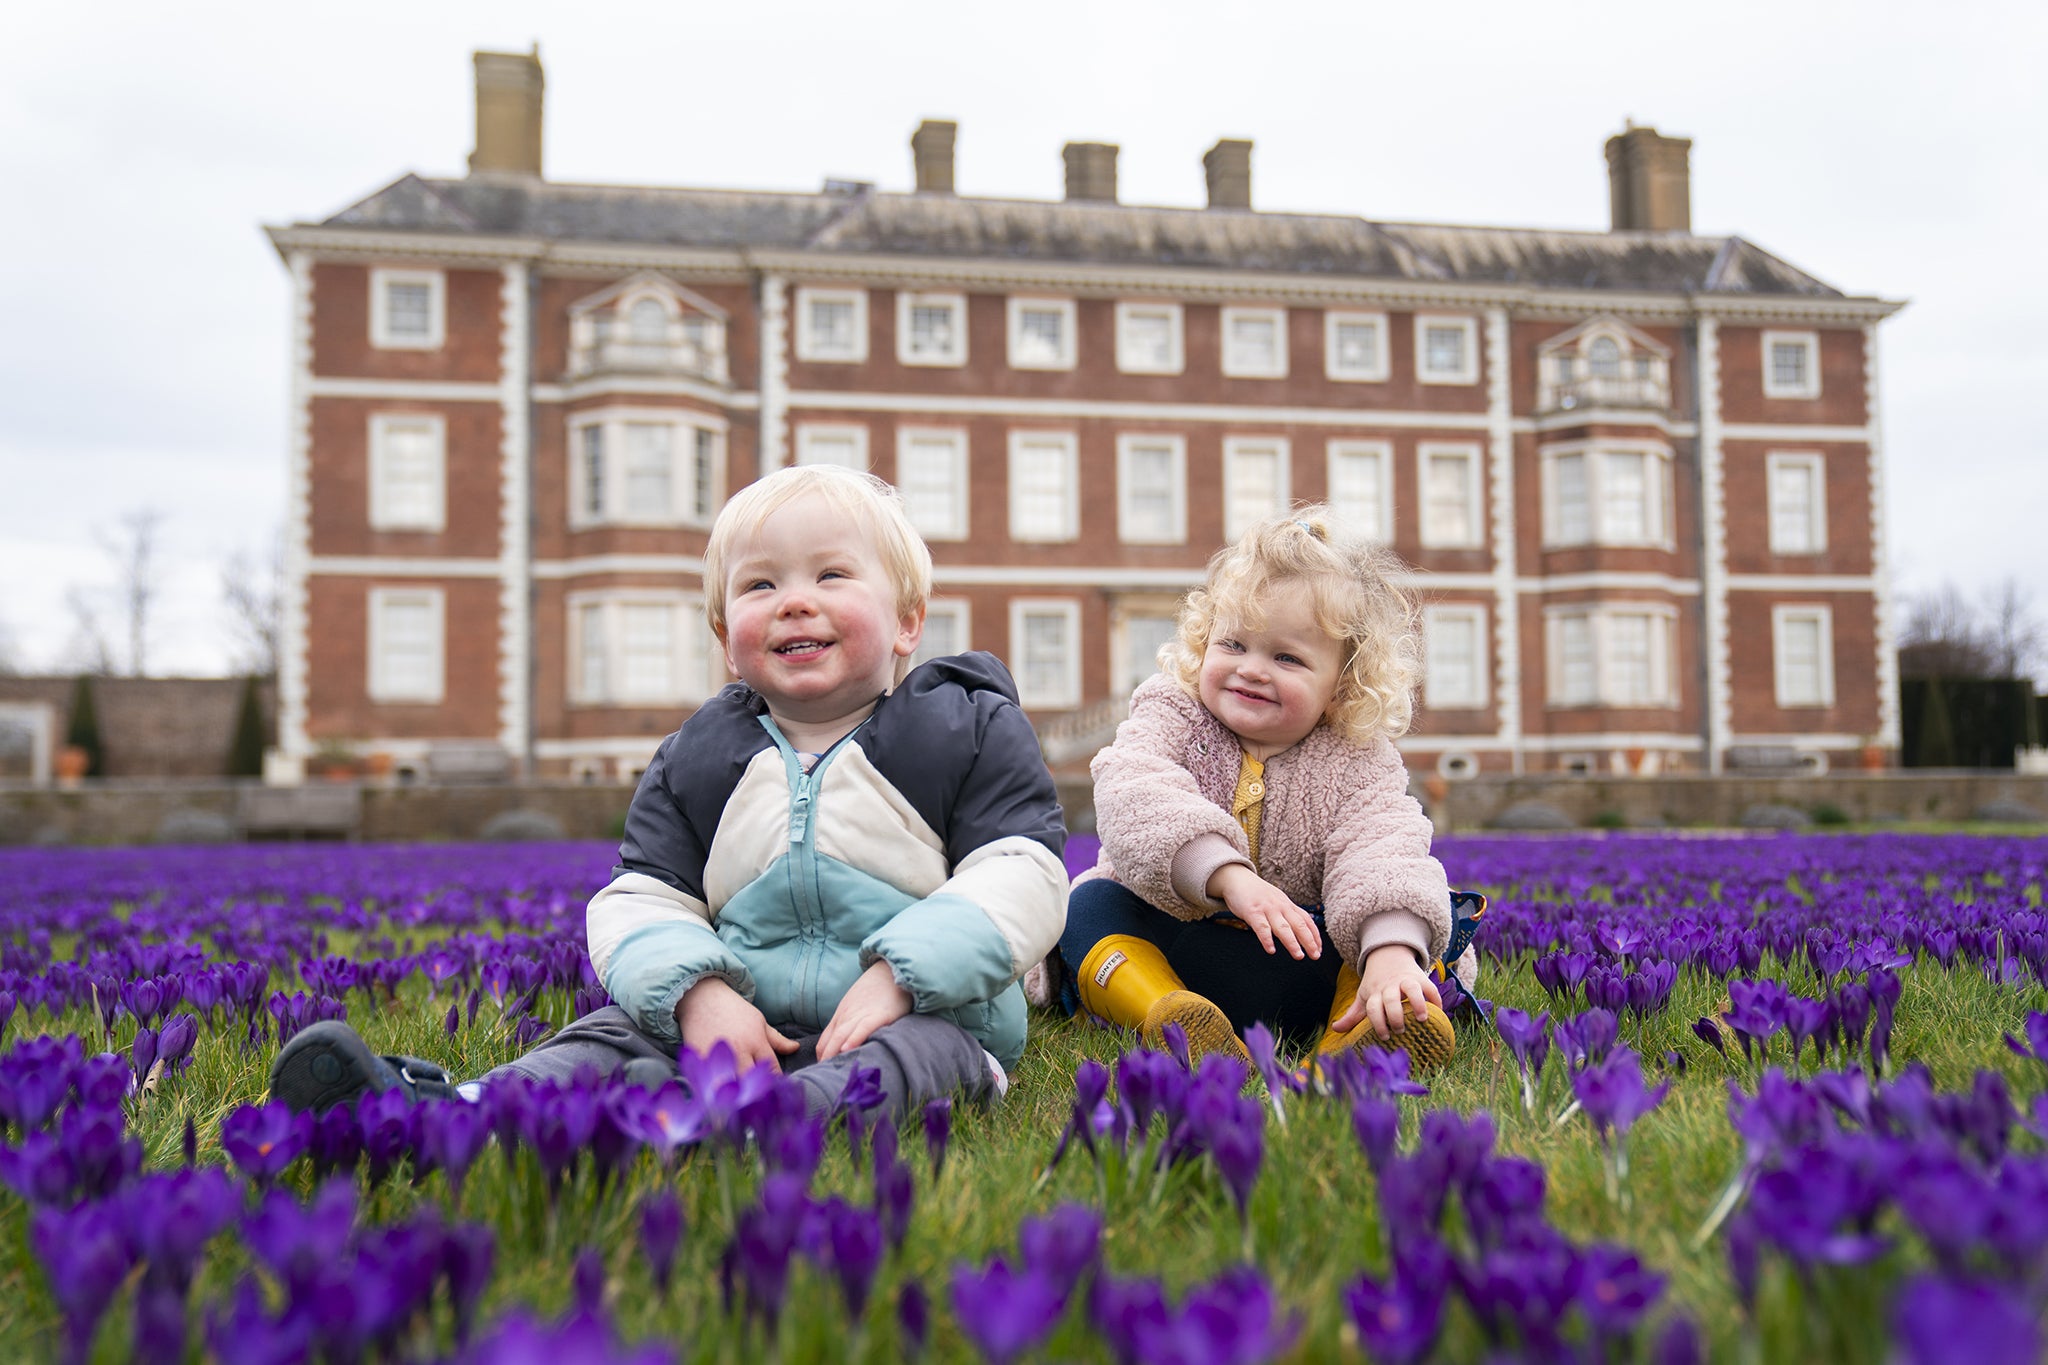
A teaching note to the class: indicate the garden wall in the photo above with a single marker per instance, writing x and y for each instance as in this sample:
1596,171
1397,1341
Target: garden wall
118,812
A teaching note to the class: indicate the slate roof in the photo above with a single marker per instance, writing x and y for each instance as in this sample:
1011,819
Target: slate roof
869,222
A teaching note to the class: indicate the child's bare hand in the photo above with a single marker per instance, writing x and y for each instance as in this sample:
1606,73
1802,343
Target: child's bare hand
712,1009
1390,988
874,1000
1267,911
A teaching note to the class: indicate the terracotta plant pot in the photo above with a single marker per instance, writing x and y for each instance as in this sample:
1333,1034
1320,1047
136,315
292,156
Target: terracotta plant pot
71,764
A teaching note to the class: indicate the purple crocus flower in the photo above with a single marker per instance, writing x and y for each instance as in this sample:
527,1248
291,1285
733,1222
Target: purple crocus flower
1237,1148
1377,1122
661,1231
1615,1290
468,1255
1586,1037
39,1170
171,1218
300,1242
938,1131
1613,1094
1005,1314
1259,1041
1709,1032
1065,1245
1398,1318
1130,1315
895,1195
262,1140
586,1283
452,1134
763,1242
1528,1040
1232,1321
246,1334
1941,1319
913,1319
854,1236
1504,1195
1677,1344
1092,1114
2036,1045
144,1054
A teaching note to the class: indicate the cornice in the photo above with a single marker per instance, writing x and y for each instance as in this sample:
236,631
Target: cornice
345,244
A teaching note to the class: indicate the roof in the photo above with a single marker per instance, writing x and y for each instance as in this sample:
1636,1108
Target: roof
869,222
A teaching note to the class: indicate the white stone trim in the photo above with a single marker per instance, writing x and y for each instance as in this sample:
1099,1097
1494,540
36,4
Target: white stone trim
401,390
1127,361
957,477
1800,582
469,249
401,566
1714,554
1816,466
1125,673
692,649
515,531
1436,694
377,687
1607,417
1365,374
810,434
630,747
1550,744
1074,409
1662,516
1507,612
1888,721
1665,692
630,386
1069,694
1794,432
293,667
380,513
1014,310
953,356
1127,444
1475,515
1070,455
774,375
684,424
1081,578
1822,616
807,347
1811,739
1468,373
1810,343
1236,449
1340,449
1234,365
958,609
39,718
381,336
580,565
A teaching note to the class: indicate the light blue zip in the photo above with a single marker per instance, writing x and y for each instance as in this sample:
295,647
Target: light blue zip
803,852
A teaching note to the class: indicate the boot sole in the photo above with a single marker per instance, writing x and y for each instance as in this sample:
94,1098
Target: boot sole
1429,1040
324,1064
1207,1028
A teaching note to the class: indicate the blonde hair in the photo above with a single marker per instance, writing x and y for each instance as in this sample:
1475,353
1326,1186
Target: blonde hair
1357,603
877,506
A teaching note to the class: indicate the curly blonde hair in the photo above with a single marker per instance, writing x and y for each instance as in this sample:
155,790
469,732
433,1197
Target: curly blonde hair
1357,603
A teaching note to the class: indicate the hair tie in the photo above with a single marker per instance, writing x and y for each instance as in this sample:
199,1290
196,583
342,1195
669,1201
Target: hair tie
1312,531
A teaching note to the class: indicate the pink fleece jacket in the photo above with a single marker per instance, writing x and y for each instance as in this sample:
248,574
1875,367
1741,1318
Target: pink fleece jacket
1338,828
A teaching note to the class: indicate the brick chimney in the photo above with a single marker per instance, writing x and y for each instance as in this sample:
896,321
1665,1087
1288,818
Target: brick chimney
931,148
1649,181
1228,166
1091,171
508,100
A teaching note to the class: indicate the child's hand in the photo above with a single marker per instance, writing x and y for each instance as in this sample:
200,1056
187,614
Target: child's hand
1390,986
1266,910
875,1000
712,1009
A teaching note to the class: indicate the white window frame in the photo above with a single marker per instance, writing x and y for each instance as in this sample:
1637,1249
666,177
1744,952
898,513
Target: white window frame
955,609
381,336
1474,494
1600,619
1129,363
1069,450
809,346
808,434
1015,309
1235,365
1068,695
682,486
1810,388
1436,692
1468,373
1817,513
1333,368
693,649
1658,486
1783,616
1124,676
383,516
1382,452
955,438
951,358
1235,449
1127,531
379,685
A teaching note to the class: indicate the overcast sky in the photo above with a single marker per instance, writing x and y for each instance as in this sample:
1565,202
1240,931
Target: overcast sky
1890,150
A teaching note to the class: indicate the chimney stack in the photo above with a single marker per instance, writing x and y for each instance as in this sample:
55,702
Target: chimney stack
1649,181
1091,171
1229,168
508,103
931,149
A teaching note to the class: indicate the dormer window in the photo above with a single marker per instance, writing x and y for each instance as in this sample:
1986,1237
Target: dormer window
1604,363
647,325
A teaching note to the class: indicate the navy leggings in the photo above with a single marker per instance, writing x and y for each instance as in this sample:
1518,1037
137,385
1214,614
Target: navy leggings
1218,958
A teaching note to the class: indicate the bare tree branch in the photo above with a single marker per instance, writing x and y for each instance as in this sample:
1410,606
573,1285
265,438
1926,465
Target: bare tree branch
133,548
88,650
2014,633
252,590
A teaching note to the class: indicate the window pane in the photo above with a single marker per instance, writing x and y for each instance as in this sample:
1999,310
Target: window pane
647,651
591,668
1254,343
1149,493
410,482
648,322
1144,636
1577,677
593,471
409,657
831,324
650,461
1254,490
1604,358
1358,347
942,635
1443,350
1454,653
830,447
408,310
928,478
1788,364
1624,499
933,329
1041,336
1447,507
1629,671
1045,654
1792,507
1799,637
1039,490
1355,491
1574,510
1148,339
704,474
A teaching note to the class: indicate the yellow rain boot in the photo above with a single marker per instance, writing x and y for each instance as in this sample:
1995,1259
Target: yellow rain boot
1429,1040
1126,981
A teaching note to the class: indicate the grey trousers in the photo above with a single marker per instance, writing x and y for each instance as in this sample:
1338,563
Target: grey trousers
920,1058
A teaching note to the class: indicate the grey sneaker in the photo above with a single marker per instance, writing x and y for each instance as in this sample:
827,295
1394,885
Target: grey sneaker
328,1063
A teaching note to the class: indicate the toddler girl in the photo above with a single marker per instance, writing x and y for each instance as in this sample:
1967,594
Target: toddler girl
1261,857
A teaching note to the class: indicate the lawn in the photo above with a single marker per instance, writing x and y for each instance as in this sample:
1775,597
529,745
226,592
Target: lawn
1773,1115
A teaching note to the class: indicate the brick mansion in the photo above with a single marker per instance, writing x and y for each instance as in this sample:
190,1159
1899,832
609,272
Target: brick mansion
1637,472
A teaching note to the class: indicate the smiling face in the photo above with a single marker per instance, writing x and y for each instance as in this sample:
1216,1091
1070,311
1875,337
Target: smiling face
1271,684
811,621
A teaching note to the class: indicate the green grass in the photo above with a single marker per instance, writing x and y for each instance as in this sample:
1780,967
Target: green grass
1314,1223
